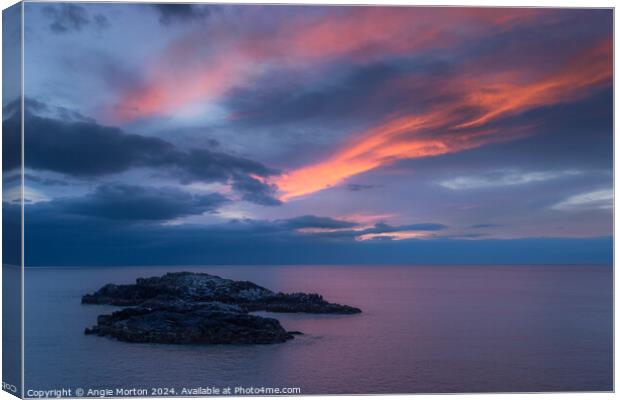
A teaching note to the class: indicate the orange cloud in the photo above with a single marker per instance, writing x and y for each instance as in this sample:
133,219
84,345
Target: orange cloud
376,31
442,129
202,66
382,145
590,69
171,90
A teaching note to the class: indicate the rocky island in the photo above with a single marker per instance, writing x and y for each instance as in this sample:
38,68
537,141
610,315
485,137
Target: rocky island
199,308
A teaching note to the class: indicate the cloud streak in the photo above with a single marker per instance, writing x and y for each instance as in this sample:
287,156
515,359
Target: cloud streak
500,179
595,200
462,122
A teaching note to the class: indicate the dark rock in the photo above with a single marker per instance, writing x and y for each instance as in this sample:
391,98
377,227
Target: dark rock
196,287
299,303
199,323
185,307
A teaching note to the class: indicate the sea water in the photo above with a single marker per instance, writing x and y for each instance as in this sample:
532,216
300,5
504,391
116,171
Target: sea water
423,329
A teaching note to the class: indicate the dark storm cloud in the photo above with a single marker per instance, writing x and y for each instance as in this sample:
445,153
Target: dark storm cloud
255,191
313,221
85,149
181,13
138,203
66,17
205,164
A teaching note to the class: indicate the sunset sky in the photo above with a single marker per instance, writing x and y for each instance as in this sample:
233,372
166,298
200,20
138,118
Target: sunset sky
189,134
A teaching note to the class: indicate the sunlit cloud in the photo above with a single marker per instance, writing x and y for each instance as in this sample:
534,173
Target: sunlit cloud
400,235
596,200
587,70
360,222
502,178
30,195
368,218
216,60
445,128
314,231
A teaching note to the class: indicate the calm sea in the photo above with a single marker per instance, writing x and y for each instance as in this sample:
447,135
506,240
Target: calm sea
423,329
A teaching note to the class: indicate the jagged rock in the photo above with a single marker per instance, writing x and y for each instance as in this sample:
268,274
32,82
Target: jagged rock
299,303
193,287
186,307
189,323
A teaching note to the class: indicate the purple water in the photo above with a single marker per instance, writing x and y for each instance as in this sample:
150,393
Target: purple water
423,329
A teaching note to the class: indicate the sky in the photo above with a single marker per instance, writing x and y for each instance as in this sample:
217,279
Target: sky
227,134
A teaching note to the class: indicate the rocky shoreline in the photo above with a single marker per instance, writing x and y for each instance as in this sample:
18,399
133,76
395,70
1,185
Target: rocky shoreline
199,308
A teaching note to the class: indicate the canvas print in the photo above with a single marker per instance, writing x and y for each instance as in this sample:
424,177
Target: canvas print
236,199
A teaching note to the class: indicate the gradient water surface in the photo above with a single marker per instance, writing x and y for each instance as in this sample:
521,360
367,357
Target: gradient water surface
423,329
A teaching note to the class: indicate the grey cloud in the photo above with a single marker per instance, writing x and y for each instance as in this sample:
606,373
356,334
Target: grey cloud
385,228
44,180
358,187
67,17
124,202
505,178
345,97
85,149
205,164
313,221
175,12
35,107
255,191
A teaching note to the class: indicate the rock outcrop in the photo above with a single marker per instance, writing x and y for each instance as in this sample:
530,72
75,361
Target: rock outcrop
185,323
186,307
